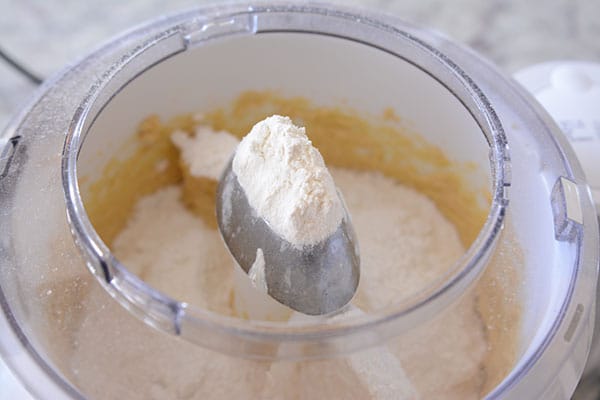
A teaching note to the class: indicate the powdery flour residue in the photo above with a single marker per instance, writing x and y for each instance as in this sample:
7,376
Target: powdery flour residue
405,244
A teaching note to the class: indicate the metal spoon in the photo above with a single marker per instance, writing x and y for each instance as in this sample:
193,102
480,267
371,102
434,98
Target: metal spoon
315,280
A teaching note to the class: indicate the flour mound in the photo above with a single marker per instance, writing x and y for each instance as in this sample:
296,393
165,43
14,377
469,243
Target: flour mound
287,183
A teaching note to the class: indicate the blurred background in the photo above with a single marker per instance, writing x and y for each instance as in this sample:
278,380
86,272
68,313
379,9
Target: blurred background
46,35
43,36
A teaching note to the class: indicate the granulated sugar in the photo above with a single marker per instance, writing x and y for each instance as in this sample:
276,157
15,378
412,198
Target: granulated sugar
405,245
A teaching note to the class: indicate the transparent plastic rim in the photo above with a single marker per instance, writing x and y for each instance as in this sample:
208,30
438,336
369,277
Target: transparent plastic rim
212,330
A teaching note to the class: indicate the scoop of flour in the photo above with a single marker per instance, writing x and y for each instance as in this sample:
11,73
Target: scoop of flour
287,183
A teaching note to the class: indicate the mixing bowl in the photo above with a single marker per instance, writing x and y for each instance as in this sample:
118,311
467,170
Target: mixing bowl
510,184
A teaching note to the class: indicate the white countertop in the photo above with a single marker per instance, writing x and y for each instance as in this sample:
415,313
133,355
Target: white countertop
44,36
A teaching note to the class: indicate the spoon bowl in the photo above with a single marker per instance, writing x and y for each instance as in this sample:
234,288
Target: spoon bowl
315,279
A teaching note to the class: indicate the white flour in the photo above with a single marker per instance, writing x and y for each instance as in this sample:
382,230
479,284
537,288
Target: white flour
206,151
286,181
256,273
406,244
403,249
172,250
